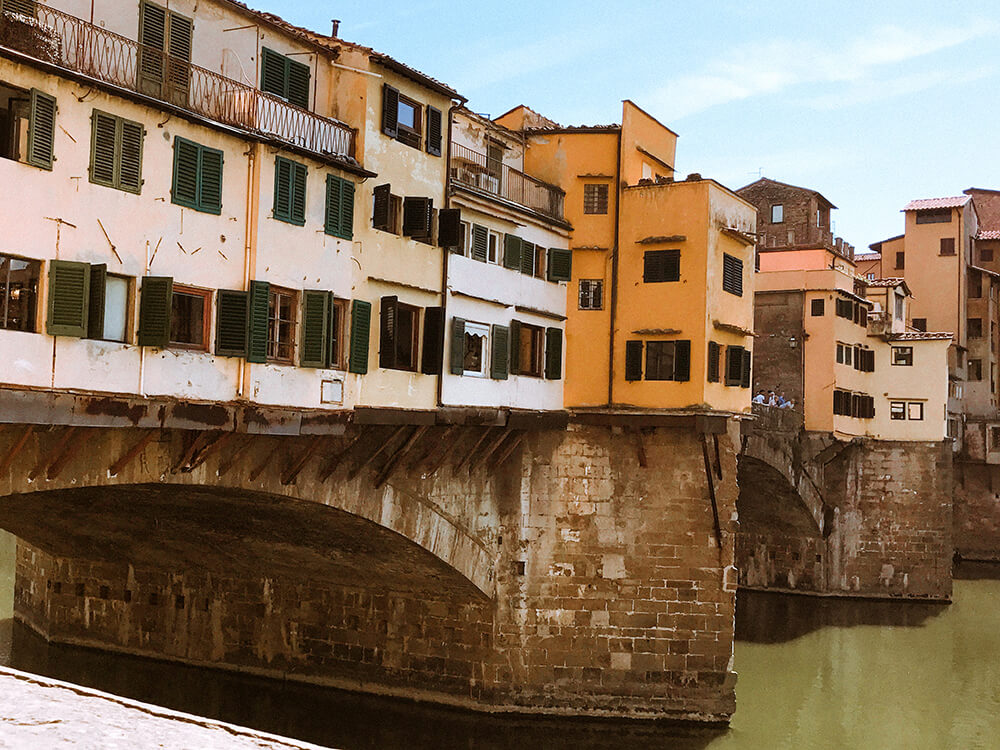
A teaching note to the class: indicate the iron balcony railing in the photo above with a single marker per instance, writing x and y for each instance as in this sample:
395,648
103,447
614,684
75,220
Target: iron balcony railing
82,47
473,169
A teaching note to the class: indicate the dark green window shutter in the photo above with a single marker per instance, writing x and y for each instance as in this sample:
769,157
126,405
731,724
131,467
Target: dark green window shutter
298,207
130,163
457,356
289,191
500,354
682,360
511,251
390,110
361,319
661,265
315,311
553,353
450,227
514,361
41,129
179,32
633,360
260,301
155,299
210,183
417,213
388,317
185,188
69,295
347,209
745,373
433,132
103,142
433,348
231,323
153,41
714,350
527,258
381,210
331,222
297,91
272,72
480,242
95,305
560,265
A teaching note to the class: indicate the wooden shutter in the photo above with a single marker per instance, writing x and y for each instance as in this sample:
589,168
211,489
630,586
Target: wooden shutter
499,356
456,356
130,164
633,360
560,265
732,274
434,132
298,207
661,265
433,349
734,365
185,187
153,41
381,211
95,303
511,251
480,243
102,148
210,181
257,308
553,353
347,209
390,110
745,369
23,7
361,318
69,294
331,222
231,323
388,317
290,191
527,258
41,129
417,214
155,298
315,311
514,360
179,32
272,72
450,227
714,350
297,89
837,408
682,360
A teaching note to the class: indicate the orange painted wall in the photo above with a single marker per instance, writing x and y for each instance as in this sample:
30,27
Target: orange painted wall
645,141
794,260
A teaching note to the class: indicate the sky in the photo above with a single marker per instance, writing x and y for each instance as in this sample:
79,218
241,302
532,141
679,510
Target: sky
873,104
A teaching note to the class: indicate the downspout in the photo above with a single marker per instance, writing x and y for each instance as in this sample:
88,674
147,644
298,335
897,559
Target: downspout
447,255
250,242
614,272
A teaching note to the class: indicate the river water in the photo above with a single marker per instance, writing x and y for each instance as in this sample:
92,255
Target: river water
813,674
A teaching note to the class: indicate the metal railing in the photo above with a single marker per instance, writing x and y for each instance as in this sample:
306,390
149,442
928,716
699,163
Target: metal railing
82,47
473,169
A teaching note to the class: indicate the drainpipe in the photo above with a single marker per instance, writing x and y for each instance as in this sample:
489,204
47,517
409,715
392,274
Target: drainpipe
614,272
447,254
250,242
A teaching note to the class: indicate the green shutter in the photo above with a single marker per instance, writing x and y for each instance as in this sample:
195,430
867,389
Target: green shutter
339,220
210,181
388,330
382,195
185,187
272,72
260,300
103,142
179,32
315,311
69,295
95,305
553,353
130,156
298,206
500,353
713,362
297,83
457,350
511,251
527,258
633,360
153,43
560,265
23,7
515,347
155,299
41,129
745,369
361,320
682,360
231,323
480,242
346,209
289,191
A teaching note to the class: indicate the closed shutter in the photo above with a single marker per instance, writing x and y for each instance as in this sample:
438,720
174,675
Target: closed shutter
23,7
714,350
289,191
836,402
456,356
331,222
527,258
298,207
346,209
553,353
297,88
102,148
661,265
863,316
257,308
388,317
450,227
380,213
361,318
315,311
514,361
480,242
272,72
633,360
210,185
732,275
69,294
433,348
130,165
734,365
155,299
180,30
231,323
153,41
185,188
433,131
511,251
682,360
871,361
95,304
745,373
42,129
499,356
417,213
390,110
560,265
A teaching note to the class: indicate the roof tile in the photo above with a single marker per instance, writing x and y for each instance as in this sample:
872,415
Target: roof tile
956,201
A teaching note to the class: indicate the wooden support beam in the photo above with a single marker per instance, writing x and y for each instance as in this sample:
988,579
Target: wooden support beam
148,436
207,450
475,446
259,468
400,454
74,442
226,464
378,451
431,445
516,438
640,446
491,446
14,449
196,442
48,458
711,491
718,457
293,471
335,460
448,449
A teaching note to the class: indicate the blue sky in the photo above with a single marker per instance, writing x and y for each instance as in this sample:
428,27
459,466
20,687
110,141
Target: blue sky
871,103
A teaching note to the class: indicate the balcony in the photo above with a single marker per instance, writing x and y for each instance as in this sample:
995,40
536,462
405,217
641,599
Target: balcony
76,45
472,169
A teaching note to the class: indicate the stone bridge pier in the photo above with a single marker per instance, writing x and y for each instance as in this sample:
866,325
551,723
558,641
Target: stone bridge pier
505,564
864,517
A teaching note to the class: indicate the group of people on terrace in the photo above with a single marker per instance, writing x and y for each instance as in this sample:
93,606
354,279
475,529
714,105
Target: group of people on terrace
770,398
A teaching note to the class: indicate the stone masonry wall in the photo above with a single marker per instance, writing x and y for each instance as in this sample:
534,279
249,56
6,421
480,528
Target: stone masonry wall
777,363
977,510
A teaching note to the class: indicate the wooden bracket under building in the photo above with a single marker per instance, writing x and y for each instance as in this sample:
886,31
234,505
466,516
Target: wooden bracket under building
51,463
378,452
640,446
711,491
226,464
516,438
293,471
259,468
445,453
118,466
471,452
14,449
208,447
335,460
490,449
400,453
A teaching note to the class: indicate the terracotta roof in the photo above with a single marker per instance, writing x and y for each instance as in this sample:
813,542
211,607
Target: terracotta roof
893,281
576,129
989,234
867,256
956,201
921,336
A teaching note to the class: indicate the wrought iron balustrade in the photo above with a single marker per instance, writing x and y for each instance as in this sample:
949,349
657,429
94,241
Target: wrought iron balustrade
474,169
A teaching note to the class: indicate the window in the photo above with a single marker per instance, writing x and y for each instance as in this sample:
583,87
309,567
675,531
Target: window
947,246
339,207
906,410
19,286
475,348
920,324
994,439
197,176
337,355
858,405
116,152
22,7
281,325
189,316
409,122
668,360
777,213
954,427
494,158
819,217
595,198
491,256
898,310
282,76
399,331
418,218
897,410
975,285
661,265
975,369
732,275
900,260
845,354
844,308
870,276
934,216
975,328
527,349
902,355
986,254
737,366
289,191
27,126
591,296
387,209
539,262
112,325
817,307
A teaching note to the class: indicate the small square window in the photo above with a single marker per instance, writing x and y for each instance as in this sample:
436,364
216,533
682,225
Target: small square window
915,411
531,348
947,246
591,294
920,324
476,350
189,318
902,355
897,410
18,293
595,198
777,213
818,307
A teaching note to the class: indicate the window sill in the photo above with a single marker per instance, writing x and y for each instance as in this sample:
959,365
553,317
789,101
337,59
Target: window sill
285,220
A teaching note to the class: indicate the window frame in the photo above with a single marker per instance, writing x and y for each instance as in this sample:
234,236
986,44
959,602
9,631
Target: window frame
901,356
482,329
813,307
655,262
596,198
274,321
337,333
206,296
588,294
537,350
5,260
780,213
129,308
732,275
409,136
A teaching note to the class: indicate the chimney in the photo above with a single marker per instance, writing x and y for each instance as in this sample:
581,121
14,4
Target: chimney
336,26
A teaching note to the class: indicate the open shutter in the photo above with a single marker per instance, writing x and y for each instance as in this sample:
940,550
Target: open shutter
713,362
511,251
560,265
102,148
433,131
553,353
315,311
130,166
732,274
345,210
745,372
69,294
515,347
180,30
231,323
155,298
450,227
41,129
282,189
210,187
380,214
388,317
153,41
298,83
272,72
331,222
417,214
499,355
480,242
390,110
682,360
633,360
257,309
456,357
185,187
298,206
433,349
527,258
95,304
361,319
